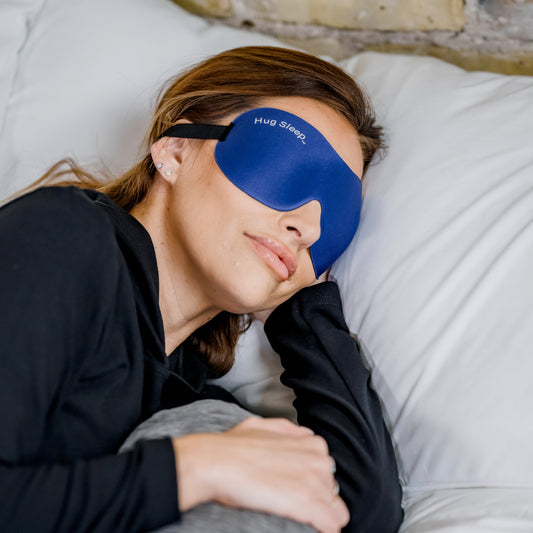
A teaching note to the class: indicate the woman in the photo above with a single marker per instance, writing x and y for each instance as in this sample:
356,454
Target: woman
121,298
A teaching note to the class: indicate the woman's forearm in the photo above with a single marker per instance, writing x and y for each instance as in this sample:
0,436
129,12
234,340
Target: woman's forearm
134,491
334,398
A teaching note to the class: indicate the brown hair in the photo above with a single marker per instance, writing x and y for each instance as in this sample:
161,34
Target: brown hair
230,82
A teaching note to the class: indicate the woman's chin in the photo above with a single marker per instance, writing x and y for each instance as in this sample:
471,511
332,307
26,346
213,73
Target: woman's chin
250,298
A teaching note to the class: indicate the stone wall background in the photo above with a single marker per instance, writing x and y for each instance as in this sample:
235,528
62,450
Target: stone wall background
493,35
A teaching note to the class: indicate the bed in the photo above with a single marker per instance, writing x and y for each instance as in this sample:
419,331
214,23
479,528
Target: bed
437,284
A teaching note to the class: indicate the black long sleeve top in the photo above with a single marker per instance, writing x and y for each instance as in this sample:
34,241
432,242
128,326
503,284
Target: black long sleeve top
82,362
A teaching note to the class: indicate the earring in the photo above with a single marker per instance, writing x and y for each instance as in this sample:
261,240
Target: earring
159,165
168,172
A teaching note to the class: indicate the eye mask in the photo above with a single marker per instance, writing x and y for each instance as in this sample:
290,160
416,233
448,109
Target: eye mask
283,162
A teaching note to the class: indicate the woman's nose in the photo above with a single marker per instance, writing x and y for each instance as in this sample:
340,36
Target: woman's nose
302,224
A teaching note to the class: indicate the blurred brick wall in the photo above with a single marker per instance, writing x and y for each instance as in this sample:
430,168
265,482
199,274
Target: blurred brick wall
495,35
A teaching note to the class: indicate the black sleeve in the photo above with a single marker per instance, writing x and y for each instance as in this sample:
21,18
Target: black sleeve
118,493
52,292
334,398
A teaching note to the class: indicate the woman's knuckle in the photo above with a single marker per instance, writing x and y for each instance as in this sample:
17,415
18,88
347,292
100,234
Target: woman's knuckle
321,444
343,515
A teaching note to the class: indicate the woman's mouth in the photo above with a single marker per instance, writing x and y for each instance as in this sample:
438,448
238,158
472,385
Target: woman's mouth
276,256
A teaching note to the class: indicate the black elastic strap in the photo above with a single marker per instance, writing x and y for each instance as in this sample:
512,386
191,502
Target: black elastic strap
198,131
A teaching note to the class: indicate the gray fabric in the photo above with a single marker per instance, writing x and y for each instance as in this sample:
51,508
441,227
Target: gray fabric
210,416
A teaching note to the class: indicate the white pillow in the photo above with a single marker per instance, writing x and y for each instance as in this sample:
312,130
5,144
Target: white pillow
88,76
438,282
16,17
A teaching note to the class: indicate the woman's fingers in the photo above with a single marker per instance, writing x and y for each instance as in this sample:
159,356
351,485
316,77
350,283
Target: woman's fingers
268,465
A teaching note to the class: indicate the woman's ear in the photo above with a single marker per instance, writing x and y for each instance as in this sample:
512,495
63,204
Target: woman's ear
168,154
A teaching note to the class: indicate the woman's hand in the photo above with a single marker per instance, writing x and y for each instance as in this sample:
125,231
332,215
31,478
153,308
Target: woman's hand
269,465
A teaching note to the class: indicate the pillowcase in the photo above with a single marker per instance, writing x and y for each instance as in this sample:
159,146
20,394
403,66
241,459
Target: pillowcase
437,282
15,21
88,76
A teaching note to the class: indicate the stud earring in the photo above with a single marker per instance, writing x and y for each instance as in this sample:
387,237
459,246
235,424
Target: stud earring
168,172
159,165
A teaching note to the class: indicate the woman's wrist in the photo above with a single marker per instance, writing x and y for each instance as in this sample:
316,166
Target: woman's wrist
191,457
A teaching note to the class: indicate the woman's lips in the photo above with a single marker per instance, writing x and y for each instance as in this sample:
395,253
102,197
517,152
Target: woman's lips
276,255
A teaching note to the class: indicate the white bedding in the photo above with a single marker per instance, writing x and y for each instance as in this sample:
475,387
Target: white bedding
437,283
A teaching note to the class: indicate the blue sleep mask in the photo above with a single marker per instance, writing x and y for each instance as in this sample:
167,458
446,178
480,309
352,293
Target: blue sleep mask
283,162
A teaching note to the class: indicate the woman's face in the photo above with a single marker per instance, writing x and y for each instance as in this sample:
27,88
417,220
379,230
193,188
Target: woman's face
242,255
